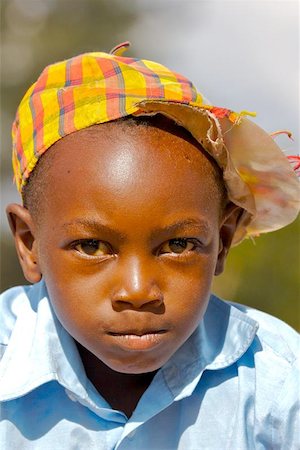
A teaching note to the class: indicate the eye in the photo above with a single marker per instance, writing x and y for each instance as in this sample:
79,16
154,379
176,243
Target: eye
93,247
178,246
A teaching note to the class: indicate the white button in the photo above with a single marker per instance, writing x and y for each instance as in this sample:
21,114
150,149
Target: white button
71,395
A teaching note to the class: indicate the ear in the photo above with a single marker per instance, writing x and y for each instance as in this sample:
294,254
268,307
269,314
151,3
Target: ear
22,227
228,226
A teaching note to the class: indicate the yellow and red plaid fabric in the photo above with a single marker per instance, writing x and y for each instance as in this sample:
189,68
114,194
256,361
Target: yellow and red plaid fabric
84,90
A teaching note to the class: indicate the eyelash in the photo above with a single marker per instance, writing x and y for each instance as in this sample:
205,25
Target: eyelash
195,242
196,246
81,242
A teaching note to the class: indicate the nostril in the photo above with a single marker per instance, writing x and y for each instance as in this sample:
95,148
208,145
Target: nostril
155,302
120,303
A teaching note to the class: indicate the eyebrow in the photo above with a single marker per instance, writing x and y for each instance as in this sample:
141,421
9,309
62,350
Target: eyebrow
199,224
93,225
96,225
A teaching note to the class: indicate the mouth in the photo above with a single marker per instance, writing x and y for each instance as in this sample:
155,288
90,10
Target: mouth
135,332
138,339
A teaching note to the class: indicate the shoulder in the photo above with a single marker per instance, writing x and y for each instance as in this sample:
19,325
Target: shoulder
275,351
275,336
245,332
268,366
15,303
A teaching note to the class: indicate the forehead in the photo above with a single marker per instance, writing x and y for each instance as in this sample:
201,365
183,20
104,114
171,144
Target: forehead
135,150
120,165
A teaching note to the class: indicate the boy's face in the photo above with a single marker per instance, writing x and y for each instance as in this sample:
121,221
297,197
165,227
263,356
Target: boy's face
128,241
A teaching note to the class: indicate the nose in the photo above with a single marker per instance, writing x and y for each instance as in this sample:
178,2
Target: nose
137,287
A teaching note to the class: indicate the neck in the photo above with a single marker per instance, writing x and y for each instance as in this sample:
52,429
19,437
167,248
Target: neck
121,390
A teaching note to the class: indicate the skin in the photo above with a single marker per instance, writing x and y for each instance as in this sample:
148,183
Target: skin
128,241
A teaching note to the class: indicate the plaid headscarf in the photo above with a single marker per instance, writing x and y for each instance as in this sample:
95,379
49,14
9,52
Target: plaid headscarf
96,87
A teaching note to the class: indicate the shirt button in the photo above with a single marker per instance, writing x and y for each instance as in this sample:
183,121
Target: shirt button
71,395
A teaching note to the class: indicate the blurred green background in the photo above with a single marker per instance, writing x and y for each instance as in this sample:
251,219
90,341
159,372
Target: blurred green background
214,43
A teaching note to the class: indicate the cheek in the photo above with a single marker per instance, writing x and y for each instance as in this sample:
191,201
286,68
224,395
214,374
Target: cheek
188,299
75,298
69,290
195,276
188,293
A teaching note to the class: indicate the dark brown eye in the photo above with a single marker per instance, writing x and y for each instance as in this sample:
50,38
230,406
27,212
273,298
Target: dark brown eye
93,247
177,246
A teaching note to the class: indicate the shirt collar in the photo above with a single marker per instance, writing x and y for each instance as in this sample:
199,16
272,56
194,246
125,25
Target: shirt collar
40,349
223,336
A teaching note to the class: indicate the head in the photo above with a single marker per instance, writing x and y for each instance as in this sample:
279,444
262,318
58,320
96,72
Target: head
131,225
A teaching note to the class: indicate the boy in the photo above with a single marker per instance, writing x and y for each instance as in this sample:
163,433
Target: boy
119,343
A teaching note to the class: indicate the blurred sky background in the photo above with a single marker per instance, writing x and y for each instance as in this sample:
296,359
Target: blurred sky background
240,54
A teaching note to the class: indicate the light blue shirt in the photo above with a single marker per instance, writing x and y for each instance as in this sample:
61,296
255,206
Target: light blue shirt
233,385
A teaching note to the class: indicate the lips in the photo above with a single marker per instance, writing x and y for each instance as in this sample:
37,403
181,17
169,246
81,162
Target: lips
138,340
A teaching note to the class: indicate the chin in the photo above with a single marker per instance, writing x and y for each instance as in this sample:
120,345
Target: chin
135,368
